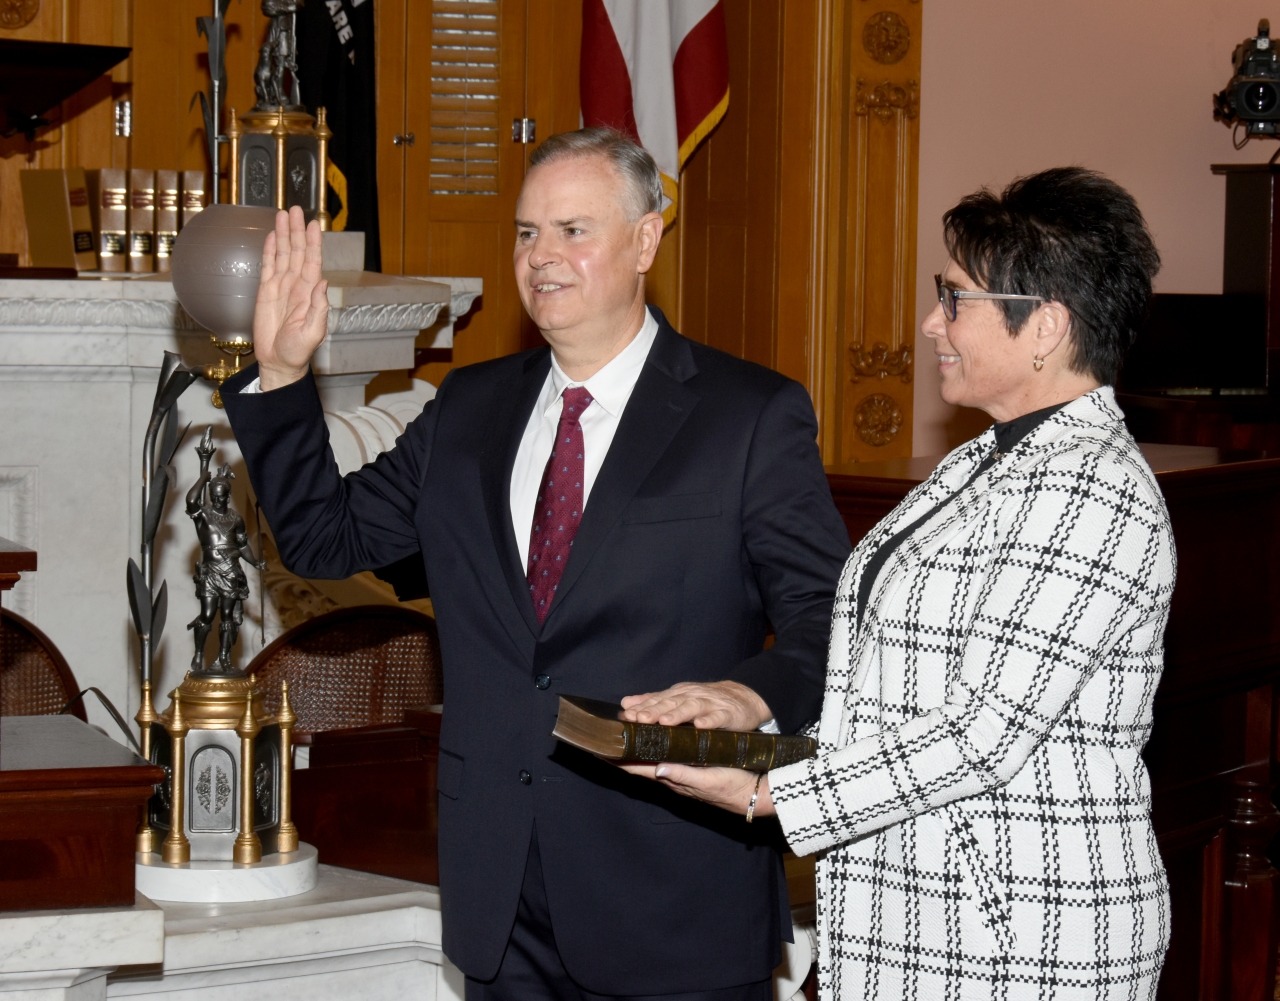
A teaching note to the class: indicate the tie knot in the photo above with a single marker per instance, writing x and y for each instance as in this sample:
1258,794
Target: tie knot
576,400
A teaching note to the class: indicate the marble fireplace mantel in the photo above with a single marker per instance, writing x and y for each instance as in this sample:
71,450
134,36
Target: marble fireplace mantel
79,359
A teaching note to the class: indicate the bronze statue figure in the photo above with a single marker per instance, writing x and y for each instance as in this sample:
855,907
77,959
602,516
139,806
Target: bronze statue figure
221,584
277,57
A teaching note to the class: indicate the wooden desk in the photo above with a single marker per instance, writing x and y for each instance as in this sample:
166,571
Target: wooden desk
1213,751
367,799
15,560
70,800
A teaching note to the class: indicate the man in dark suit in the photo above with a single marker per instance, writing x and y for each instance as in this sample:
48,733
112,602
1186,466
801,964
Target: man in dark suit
624,514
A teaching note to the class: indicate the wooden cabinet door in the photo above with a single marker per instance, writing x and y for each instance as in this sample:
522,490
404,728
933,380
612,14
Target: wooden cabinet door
462,63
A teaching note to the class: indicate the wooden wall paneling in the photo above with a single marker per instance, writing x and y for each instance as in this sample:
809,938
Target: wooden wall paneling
392,46
171,65
729,245
81,131
553,38
879,152
467,234
802,208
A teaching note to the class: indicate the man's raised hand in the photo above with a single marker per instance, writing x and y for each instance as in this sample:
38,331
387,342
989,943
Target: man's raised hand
291,316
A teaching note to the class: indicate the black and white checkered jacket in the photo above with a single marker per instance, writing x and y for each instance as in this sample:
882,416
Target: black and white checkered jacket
979,799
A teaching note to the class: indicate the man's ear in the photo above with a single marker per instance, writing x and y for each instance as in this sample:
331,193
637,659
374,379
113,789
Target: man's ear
650,233
1053,326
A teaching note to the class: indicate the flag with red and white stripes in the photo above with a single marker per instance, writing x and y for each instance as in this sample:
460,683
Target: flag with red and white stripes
657,70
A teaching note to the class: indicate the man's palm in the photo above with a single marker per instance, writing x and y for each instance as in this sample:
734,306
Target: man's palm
291,316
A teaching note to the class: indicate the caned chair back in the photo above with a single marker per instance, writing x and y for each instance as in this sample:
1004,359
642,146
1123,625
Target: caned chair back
353,667
35,679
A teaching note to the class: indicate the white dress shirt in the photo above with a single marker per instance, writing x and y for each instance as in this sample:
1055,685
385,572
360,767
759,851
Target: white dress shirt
610,389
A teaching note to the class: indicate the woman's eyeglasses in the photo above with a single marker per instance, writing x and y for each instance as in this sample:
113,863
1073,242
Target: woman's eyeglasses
949,296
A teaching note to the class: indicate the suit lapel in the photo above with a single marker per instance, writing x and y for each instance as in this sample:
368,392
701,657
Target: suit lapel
658,407
511,409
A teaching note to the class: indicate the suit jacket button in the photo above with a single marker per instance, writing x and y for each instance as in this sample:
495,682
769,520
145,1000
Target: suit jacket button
543,682
525,777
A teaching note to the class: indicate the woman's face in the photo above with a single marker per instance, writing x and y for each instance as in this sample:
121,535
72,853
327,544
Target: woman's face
981,364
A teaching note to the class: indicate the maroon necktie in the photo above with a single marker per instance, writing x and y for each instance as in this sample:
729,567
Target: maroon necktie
559,509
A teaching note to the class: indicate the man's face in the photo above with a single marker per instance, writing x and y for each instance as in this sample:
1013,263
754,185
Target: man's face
219,493
579,258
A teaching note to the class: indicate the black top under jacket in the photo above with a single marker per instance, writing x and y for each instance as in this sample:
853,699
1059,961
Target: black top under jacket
711,521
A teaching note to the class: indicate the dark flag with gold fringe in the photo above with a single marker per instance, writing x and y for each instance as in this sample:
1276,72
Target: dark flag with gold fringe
336,72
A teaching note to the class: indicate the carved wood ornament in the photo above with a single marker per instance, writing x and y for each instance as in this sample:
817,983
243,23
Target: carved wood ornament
880,362
887,98
877,419
886,37
16,14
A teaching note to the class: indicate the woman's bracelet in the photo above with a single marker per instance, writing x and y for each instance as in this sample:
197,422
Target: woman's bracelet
751,807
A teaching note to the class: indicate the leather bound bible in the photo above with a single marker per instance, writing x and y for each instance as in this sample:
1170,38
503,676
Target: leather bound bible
594,726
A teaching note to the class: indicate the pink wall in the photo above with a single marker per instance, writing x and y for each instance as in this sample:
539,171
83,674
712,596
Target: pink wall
1009,87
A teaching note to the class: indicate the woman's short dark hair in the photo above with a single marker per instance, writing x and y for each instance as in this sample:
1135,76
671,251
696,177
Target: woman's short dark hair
1070,235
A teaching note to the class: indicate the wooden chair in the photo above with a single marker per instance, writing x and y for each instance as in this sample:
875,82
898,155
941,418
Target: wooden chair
353,667
35,679
360,680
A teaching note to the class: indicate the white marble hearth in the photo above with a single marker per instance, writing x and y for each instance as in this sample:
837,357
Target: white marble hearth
66,955
78,365
356,935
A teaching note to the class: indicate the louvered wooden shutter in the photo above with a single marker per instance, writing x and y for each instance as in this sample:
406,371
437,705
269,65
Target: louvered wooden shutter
464,97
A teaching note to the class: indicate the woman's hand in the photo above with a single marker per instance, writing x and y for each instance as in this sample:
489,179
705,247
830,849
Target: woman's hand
712,705
728,788
292,313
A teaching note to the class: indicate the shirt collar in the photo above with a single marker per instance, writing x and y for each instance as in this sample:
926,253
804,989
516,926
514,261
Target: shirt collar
611,387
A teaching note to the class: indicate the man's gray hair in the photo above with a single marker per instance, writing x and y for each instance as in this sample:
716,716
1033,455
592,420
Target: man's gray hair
631,160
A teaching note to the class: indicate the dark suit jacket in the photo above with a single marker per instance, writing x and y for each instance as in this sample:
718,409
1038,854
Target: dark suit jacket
711,520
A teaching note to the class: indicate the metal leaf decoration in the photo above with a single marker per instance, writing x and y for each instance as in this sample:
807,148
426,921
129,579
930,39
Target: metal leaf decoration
174,387
210,128
171,438
139,600
158,613
172,362
155,504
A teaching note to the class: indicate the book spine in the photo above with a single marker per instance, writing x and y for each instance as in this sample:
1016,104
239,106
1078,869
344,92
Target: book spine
166,216
112,219
192,194
755,752
81,219
142,220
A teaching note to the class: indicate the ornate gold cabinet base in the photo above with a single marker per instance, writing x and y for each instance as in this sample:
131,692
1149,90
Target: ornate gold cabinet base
228,764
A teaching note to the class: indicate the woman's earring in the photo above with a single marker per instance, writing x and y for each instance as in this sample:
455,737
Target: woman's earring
1038,362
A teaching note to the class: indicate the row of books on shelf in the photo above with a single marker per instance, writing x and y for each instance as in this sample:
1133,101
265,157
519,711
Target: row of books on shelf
109,219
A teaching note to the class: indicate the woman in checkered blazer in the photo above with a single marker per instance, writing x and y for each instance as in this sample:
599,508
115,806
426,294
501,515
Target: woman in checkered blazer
979,804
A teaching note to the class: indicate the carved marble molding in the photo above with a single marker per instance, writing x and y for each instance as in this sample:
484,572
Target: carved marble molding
877,420
20,521
291,600
880,362
460,304
152,313
74,373
382,318
887,99
886,37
